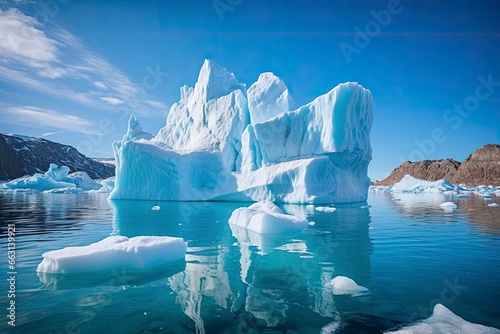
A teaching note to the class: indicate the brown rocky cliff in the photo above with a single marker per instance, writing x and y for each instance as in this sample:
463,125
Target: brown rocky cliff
426,170
481,168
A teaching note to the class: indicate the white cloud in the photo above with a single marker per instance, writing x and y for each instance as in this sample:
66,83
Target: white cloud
112,100
21,38
55,62
52,72
100,85
45,118
156,104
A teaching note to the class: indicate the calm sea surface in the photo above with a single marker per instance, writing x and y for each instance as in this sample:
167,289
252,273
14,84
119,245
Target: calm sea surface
406,250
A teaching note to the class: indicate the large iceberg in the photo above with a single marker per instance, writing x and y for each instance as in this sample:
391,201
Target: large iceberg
224,142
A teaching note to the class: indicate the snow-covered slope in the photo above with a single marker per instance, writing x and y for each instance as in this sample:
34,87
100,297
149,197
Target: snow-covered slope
22,155
221,142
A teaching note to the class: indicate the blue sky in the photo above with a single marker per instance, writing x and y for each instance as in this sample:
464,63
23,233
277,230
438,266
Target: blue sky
73,71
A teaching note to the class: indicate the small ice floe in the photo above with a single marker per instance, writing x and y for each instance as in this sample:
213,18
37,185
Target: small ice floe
448,206
493,205
143,252
342,285
326,209
266,218
155,208
443,321
312,223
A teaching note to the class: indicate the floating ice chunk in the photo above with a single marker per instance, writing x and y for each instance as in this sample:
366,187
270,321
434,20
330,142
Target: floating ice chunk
82,181
155,208
411,184
493,205
444,321
327,209
448,206
64,191
107,184
55,178
142,252
342,285
264,217
312,223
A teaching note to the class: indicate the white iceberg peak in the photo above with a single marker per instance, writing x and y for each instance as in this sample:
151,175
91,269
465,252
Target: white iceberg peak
268,97
134,131
215,81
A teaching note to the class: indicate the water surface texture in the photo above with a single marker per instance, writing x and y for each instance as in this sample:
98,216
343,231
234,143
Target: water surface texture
404,248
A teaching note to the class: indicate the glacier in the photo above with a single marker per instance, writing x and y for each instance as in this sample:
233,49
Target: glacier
225,142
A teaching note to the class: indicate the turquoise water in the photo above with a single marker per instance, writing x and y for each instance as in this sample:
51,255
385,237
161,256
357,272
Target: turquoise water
407,251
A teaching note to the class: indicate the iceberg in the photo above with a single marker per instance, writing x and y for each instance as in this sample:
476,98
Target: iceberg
342,285
143,252
266,218
56,179
411,184
327,209
226,143
444,321
448,206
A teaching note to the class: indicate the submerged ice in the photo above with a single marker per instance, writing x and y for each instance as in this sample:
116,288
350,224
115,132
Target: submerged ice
224,142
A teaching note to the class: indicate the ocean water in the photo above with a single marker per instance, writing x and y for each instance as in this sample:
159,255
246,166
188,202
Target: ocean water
404,248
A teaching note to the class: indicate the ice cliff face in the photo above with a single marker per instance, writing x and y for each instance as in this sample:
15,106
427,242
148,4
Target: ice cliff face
222,142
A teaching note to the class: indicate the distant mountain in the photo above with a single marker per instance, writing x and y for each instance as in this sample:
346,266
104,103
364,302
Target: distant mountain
21,155
481,168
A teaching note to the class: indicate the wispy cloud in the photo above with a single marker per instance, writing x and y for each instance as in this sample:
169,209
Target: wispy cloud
112,100
100,85
45,118
55,62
